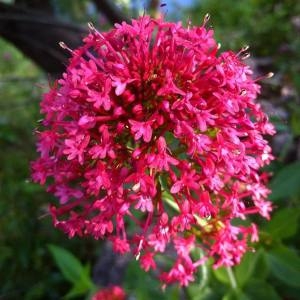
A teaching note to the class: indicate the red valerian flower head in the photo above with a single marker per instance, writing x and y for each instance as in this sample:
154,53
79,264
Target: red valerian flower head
152,125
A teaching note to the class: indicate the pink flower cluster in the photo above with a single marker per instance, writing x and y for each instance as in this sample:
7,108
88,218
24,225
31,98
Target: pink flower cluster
152,128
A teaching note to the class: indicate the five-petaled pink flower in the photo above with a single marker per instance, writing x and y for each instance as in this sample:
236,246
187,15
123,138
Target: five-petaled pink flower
151,125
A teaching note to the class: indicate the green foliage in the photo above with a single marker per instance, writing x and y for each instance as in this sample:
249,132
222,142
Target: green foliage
253,274
235,295
285,183
204,294
73,271
284,223
260,290
285,265
222,275
245,271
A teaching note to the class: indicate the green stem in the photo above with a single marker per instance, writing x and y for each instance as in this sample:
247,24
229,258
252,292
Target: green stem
231,278
204,272
186,293
170,201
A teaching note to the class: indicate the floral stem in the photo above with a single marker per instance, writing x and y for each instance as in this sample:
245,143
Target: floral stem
204,272
170,201
231,278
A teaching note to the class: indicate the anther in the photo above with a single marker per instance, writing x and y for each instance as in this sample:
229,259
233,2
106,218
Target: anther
243,51
189,23
267,76
245,48
92,27
137,257
245,56
43,216
64,46
94,30
206,19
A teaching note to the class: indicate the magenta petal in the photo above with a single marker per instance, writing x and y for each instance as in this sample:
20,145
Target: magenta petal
147,134
120,88
176,187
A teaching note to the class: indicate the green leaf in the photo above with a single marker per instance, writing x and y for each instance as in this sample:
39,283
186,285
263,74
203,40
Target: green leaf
260,290
202,294
80,289
245,269
261,269
284,223
77,290
222,275
251,264
285,265
286,182
235,295
71,267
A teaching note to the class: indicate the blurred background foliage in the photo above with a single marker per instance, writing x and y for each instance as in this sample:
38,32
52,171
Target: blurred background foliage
38,262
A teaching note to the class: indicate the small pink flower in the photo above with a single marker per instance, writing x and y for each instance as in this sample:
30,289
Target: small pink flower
147,262
144,204
182,271
75,147
120,246
141,129
87,122
188,179
184,245
47,142
162,160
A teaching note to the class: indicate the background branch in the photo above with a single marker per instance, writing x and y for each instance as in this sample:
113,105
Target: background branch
36,32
